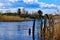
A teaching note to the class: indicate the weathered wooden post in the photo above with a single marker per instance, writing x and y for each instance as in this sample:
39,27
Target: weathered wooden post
29,31
51,27
33,29
45,25
41,30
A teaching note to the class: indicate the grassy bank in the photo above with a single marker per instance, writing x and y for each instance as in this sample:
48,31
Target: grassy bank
56,32
5,18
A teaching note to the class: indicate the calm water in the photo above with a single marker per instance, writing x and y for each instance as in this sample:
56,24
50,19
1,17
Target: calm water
18,30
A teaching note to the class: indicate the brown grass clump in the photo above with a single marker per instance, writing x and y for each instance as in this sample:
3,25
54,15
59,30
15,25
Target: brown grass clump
57,31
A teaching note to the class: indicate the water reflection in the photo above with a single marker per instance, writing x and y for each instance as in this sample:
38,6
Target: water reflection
17,30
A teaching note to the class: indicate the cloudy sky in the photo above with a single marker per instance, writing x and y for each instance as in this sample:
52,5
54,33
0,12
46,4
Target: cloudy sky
47,6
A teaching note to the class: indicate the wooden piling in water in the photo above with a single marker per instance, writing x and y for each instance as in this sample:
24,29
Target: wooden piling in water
33,29
45,26
29,31
41,30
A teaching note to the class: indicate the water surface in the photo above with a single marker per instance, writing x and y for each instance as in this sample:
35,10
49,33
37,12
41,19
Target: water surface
18,30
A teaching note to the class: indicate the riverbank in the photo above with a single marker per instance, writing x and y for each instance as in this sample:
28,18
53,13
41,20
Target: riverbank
5,18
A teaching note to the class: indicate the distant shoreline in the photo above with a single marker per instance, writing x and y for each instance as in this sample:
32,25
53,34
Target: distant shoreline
4,18
8,18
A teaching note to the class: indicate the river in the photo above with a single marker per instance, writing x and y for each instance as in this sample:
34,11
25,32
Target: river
18,30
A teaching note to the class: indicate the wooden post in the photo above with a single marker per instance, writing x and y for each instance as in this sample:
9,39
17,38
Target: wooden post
51,27
44,26
41,31
29,31
33,29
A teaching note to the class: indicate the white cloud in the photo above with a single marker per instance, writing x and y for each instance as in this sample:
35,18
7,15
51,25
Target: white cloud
30,1
32,10
42,4
27,0
8,4
58,7
10,9
1,4
13,0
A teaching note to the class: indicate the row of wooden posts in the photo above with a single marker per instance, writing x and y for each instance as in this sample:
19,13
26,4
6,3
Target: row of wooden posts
47,30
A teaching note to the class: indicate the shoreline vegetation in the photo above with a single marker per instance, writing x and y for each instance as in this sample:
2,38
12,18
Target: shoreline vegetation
5,18
21,17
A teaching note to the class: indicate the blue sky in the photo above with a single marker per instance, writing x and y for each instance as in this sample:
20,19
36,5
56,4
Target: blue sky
47,6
